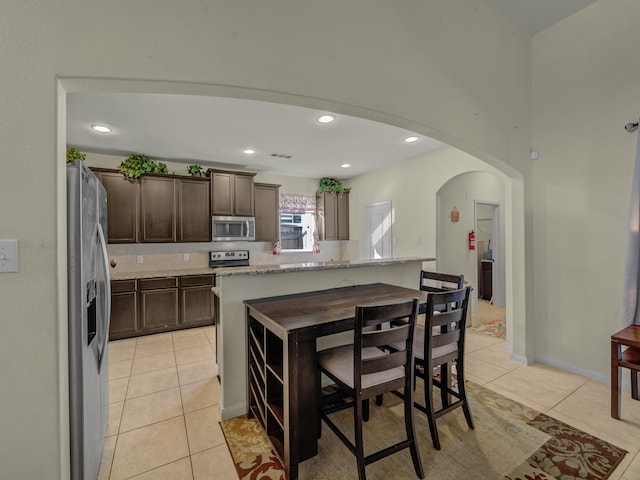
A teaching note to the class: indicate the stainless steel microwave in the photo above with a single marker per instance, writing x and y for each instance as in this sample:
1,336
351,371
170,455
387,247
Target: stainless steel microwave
233,229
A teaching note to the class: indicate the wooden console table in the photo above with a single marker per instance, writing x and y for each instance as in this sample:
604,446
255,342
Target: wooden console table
281,345
630,358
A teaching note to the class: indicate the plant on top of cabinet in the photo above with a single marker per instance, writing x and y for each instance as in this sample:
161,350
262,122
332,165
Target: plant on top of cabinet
331,185
74,154
195,170
137,164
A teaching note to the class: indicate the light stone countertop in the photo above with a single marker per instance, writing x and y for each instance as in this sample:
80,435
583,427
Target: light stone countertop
160,273
266,269
310,266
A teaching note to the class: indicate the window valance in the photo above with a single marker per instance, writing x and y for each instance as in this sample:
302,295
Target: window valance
297,203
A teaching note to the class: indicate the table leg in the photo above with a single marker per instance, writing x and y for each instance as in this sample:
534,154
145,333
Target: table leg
615,380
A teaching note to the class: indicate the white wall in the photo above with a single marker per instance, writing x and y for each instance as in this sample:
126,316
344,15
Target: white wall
586,87
412,186
454,70
453,253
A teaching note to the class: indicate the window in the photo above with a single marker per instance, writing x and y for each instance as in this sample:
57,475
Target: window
298,223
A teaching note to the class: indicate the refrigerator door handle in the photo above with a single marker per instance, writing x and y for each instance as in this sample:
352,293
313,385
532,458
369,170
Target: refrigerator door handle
107,303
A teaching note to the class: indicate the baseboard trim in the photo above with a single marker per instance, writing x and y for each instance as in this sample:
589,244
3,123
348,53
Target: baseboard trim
235,411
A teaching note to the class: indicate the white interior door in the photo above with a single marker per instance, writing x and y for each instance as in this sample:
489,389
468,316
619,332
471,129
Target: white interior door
376,231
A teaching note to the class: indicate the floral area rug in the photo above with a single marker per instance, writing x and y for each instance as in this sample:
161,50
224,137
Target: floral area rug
510,442
495,328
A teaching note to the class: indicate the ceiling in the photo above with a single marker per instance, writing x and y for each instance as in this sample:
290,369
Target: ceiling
214,132
288,140
533,16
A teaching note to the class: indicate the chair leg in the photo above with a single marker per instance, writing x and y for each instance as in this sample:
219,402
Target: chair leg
431,414
357,425
462,391
379,400
365,410
319,391
634,384
445,384
409,422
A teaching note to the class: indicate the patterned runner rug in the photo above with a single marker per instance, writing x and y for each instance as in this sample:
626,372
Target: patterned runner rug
495,328
510,441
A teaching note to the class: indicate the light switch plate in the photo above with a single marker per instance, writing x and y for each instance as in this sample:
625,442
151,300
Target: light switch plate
8,256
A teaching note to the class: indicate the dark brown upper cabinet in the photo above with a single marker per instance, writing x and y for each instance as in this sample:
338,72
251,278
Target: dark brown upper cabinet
194,214
333,216
267,212
123,204
232,193
158,208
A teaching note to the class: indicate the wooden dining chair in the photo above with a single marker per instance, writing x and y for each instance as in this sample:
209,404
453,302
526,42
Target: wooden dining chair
365,369
434,282
439,344
628,338
439,282
433,349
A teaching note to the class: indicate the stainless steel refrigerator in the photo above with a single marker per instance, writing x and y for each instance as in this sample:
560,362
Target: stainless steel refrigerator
89,299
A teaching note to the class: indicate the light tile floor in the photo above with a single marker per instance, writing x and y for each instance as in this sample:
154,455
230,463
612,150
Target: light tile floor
164,405
163,415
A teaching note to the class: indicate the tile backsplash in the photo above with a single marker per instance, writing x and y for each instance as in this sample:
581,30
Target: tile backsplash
178,256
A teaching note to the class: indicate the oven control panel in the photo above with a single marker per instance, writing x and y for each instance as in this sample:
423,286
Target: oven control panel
229,255
229,258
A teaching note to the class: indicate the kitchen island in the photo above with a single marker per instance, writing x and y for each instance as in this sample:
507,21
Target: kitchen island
234,285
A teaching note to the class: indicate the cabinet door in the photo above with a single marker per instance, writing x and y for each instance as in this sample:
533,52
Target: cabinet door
267,212
327,207
194,218
343,217
158,207
197,306
222,193
159,309
122,206
124,309
243,195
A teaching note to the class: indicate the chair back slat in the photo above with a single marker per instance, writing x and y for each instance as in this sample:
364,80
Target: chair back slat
386,336
445,338
386,362
442,281
447,318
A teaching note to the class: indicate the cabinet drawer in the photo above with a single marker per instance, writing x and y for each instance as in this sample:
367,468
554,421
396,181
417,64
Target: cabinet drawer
157,283
119,286
193,280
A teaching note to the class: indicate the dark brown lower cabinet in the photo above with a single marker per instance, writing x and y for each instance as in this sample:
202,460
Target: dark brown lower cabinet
196,300
153,305
124,309
158,304
487,280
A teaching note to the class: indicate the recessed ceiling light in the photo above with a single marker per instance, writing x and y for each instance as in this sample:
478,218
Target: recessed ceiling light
101,128
326,118
249,151
411,139
345,165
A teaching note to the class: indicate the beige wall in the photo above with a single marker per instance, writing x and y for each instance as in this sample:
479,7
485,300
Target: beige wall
586,87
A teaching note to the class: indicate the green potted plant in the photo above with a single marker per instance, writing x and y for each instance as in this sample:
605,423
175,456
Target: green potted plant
137,164
74,154
332,185
195,170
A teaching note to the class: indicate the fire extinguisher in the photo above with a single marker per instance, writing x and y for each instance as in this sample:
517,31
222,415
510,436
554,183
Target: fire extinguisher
472,240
